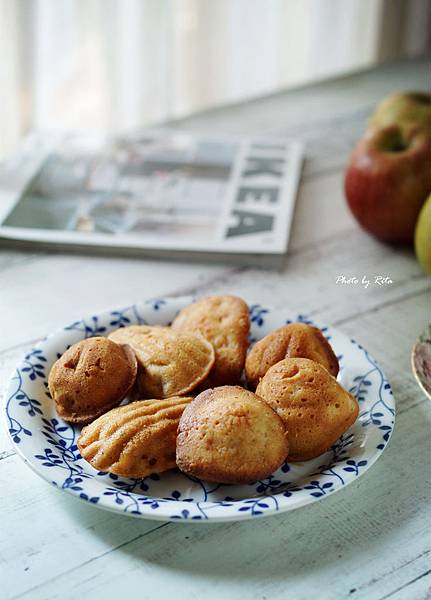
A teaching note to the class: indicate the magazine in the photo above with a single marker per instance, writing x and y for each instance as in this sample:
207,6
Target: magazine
163,193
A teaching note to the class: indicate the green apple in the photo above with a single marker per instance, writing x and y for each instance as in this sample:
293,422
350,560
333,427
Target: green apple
423,236
404,108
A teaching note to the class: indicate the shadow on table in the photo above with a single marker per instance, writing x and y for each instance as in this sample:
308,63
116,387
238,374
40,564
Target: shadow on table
352,525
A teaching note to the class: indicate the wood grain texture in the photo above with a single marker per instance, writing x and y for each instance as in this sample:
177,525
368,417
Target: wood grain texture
370,541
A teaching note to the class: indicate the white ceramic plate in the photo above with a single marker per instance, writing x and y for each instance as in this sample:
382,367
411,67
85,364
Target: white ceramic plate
48,444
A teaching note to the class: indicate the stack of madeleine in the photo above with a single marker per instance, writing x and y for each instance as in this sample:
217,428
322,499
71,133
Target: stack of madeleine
197,401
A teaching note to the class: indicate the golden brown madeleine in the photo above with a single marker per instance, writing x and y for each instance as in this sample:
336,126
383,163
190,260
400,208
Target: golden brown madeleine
170,363
224,321
134,440
296,340
313,405
229,435
90,378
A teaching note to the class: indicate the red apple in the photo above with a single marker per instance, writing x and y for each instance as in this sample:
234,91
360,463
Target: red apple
388,179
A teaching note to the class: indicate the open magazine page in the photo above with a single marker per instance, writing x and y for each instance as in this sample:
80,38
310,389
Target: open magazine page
160,190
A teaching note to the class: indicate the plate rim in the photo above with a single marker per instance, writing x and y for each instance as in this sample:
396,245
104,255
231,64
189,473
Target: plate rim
416,374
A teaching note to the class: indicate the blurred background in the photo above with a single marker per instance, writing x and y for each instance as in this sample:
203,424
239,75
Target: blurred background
112,65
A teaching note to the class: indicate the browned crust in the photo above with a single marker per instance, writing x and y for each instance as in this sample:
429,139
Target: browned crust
224,321
170,363
134,440
90,378
228,435
314,407
295,340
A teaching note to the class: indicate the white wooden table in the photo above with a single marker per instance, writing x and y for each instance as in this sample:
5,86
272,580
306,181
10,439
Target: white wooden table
371,540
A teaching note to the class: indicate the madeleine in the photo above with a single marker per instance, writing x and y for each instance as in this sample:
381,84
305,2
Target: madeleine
296,340
134,440
314,407
90,378
229,435
224,321
170,363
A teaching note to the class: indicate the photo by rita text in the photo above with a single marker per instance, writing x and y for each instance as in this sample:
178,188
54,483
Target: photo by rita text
364,280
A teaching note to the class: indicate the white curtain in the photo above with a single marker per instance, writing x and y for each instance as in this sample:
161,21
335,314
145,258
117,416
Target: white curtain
117,64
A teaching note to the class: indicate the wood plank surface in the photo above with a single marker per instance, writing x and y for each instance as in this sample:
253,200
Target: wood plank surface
371,540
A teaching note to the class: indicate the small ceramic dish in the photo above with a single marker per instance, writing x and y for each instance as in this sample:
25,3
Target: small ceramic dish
48,445
421,361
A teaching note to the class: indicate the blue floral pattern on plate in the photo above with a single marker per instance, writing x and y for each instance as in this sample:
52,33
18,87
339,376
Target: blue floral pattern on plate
48,444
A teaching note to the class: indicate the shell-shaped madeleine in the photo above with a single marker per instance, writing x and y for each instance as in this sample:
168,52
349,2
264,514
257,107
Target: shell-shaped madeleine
134,440
224,321
90,378
230,435
311,402
170,363
295,340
